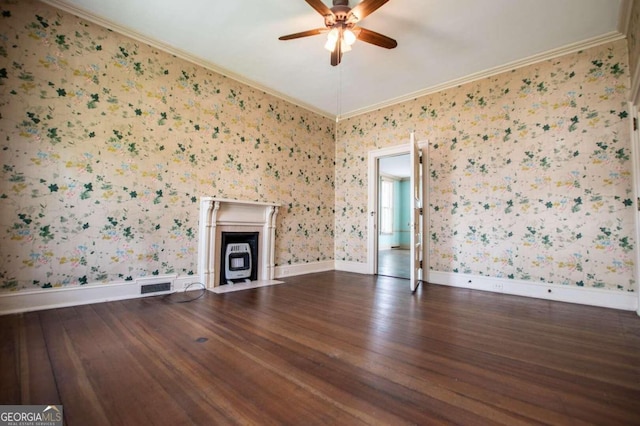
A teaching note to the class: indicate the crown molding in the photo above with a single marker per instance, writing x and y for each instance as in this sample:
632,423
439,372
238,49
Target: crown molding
128,32
531,60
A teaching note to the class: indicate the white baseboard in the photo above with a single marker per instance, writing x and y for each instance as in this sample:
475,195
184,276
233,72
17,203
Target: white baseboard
26,301
303,268
581,295
36,300
357,267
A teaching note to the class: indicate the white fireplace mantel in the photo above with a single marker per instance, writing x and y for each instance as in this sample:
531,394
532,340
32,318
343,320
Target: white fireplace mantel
219,215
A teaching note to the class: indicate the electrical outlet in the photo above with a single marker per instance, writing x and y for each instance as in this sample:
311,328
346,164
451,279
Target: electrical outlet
497,286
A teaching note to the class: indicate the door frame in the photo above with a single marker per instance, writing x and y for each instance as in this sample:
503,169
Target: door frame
372,204
635,157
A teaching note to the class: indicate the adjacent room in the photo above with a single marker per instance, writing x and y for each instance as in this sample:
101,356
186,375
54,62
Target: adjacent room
321,211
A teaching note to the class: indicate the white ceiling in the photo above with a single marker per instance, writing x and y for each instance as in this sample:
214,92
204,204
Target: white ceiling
396,165
440,42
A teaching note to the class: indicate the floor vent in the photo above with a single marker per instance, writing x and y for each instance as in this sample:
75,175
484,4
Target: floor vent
154,288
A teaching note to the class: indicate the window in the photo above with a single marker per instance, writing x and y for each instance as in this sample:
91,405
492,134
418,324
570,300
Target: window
386,206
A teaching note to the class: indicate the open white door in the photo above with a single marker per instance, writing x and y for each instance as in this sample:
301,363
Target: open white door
416,214
635,149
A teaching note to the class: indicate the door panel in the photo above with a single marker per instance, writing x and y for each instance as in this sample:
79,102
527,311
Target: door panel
416,214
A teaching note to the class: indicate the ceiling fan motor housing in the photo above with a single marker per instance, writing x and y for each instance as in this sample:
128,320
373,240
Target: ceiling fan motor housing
339,14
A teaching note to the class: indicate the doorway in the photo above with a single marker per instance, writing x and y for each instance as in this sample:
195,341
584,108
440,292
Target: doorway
418,182
394,207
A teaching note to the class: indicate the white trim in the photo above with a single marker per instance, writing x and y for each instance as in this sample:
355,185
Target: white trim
219,215
426,201
303,268
240,202
356,267
386,223
531,60
128,32
635,176
36,300
624,17
156,279
550,54
372,197
27,301
580,295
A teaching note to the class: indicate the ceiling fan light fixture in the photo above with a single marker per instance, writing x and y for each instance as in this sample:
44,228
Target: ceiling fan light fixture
344,46
330,45
340,26
349,37
333,35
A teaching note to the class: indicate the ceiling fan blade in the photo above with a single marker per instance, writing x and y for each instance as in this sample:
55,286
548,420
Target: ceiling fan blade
373,37
320,7
308,33
364,9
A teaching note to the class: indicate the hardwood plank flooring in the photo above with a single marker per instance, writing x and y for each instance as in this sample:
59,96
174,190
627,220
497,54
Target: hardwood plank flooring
394,263
327,348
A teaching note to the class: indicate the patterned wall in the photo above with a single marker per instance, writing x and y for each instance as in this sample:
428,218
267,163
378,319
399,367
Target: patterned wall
107,145
530,173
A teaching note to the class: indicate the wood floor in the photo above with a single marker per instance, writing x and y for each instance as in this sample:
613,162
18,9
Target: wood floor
327,348
395,263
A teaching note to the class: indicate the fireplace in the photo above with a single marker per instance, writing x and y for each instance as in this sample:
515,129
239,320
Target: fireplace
239,251
236,241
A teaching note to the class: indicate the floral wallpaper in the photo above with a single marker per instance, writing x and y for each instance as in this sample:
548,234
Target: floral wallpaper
530,173
107,145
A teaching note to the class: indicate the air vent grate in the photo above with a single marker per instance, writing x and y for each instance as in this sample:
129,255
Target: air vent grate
154,288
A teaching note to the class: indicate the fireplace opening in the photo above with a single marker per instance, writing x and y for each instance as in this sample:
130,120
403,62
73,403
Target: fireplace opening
239,257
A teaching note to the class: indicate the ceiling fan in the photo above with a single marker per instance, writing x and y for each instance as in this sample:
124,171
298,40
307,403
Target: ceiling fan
340,24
